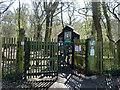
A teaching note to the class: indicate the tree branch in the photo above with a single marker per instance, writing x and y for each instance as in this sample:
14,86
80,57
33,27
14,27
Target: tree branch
83,13
59,12
114,14
8,7
103,23
110,39
115,7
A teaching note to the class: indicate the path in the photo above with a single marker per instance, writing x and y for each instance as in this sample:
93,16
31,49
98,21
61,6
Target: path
69,80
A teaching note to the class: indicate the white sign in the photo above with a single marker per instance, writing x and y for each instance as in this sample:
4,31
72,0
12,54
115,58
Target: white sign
22,43
92,52
79,47
58,44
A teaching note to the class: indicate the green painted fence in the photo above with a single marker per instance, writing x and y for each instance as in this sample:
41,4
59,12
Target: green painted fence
79,56
110,56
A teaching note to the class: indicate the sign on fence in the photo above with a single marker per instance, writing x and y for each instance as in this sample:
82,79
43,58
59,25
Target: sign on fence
76,48
22,43
79,47
92,51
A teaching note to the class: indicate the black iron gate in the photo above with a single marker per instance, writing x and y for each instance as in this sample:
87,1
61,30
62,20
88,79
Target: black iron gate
66,54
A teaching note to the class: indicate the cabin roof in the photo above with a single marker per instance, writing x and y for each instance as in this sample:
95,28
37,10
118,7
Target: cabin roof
76,32
70,28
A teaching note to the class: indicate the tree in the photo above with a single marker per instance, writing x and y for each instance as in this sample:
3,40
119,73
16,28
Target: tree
50,8
85,18
96,19
115,11
109,34
62,4
37,19
71,11
8,26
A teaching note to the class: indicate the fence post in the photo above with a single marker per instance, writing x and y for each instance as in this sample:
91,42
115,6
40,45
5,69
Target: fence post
20,52
73,56
26,56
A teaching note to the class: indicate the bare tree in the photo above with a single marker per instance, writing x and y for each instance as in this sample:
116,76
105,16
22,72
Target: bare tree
71,12
109,34
37,19
50,8
62,4
113,9
119,22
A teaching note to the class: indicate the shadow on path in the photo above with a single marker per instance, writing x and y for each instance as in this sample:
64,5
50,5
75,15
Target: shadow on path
79,81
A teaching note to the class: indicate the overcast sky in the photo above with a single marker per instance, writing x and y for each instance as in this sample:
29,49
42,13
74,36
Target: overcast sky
16,3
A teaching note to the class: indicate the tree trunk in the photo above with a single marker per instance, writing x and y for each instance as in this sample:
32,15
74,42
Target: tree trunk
39,28
19,17
118,43
93,30
50,10
51,27
96,19
109,34
119,23
62,16
20,53
47,27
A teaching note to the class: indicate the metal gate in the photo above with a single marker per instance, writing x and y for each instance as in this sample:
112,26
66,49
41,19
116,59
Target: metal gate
65,56
9,58
41,59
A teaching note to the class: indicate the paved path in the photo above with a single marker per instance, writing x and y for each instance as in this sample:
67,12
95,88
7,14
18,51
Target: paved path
69,80
64,73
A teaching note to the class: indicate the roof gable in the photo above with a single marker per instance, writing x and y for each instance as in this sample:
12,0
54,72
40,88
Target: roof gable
68,28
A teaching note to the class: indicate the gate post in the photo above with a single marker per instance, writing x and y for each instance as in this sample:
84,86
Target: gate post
93,61
27,56
20,52
86,56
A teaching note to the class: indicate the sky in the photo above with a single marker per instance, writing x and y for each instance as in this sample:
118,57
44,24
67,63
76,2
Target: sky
16,3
